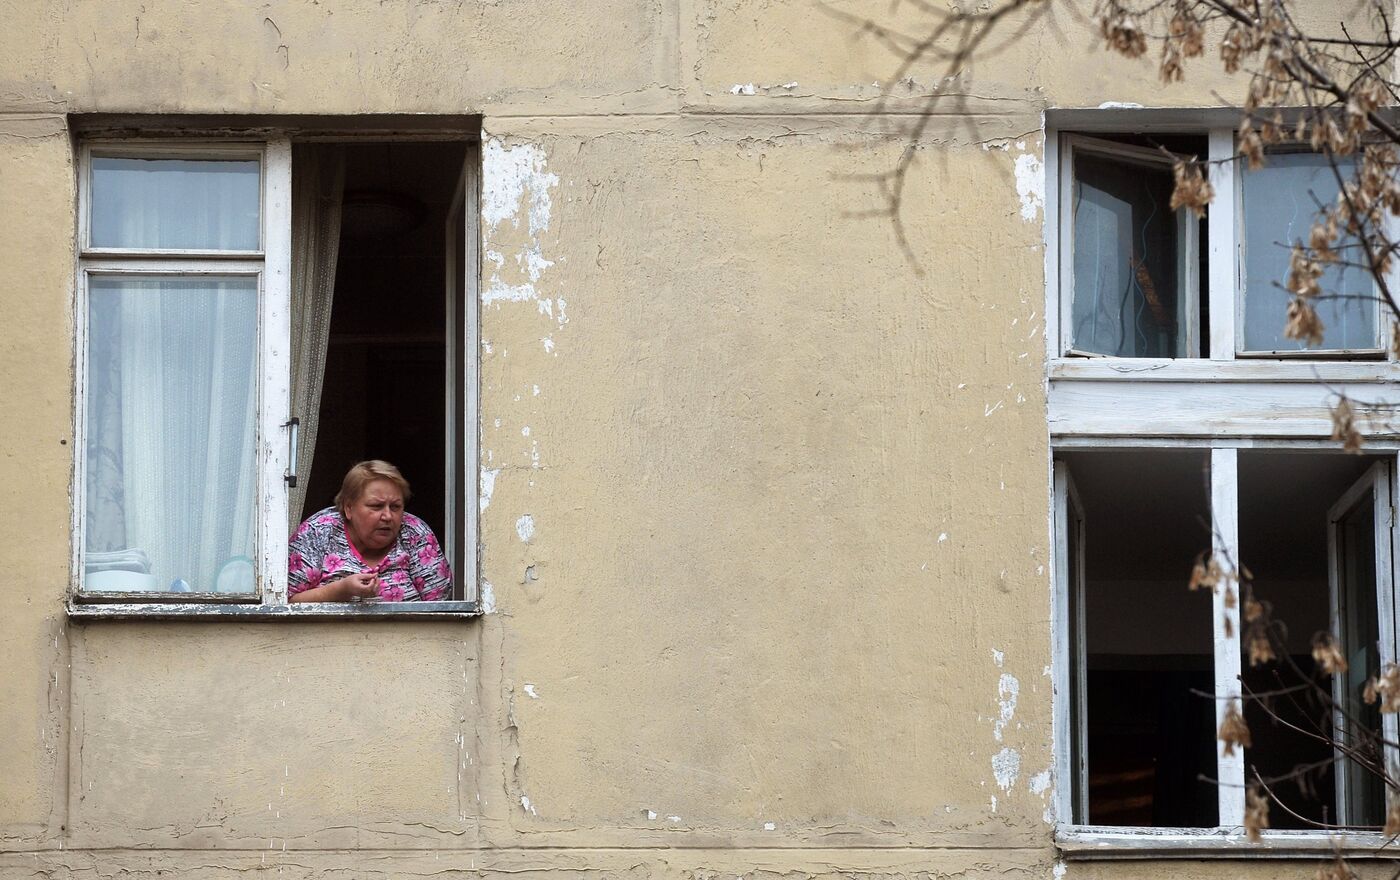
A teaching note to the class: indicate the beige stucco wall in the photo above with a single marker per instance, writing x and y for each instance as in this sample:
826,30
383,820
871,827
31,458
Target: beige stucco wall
784,610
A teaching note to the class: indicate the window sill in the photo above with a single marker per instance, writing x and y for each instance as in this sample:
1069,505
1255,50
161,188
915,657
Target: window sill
1205,370
298,611
1090,842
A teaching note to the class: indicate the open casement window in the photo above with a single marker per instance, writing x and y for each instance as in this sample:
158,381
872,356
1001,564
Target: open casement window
1069,570
460,465
1361,588
1142,656
194,312
1280,202
1129,276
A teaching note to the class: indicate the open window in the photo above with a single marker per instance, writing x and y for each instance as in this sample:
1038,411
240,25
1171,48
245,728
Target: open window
1361,589
1149,663
1138,280
1130,265
391,310
255,317
1140,646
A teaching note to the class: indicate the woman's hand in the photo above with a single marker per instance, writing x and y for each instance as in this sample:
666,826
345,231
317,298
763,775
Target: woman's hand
347,589
357,586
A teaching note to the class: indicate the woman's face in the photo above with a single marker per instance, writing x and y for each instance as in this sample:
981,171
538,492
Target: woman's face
373,519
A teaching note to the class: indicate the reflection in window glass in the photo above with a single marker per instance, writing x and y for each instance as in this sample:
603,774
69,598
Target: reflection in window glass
1284,503
1127,301
1359,632
170,470
1281,201
186,204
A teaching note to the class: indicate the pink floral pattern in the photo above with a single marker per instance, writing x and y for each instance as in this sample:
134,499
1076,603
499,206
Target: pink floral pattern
414,569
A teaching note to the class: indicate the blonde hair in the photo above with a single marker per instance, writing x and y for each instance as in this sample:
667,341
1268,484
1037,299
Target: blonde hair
361,475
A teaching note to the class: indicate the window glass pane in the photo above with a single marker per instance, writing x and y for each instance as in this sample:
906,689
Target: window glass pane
1280,203
200,204
1360,638
1127,300
170,471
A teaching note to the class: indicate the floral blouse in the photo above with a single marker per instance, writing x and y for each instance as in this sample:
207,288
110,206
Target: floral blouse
414,569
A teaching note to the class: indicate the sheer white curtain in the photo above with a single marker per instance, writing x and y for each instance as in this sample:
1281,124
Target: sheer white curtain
171,399
318,186
171,389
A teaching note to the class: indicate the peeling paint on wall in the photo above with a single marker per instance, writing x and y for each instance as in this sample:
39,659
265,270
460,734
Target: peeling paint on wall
1030,184
1008,689
488,485
1006,767
512,177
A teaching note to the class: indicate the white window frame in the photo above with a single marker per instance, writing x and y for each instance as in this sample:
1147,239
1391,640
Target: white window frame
1097,841
1188,282
1225,264
1222,401
271,264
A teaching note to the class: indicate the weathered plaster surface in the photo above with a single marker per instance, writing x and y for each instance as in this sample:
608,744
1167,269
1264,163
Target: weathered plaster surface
36,258
763,497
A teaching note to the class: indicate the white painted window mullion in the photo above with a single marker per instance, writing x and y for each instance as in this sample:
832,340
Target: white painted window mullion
274,330
1065,647
1225,617
1223,245
471,443
1063,205
1055,315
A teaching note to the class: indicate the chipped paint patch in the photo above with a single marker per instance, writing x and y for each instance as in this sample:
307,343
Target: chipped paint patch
487,485
1059,871
1030,185
512,177
1040,782
999,658
488,597
531,692
741,89
525,527
1006,768
1008,689
770,826
651,815
527,806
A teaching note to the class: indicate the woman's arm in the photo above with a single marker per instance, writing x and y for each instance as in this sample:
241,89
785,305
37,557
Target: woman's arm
432,576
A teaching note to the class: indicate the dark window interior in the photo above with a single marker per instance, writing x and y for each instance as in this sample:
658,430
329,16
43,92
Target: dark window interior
1148,714
1284,502
1148,640
384,387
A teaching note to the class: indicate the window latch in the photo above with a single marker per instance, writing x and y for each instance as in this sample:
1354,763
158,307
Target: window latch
291,474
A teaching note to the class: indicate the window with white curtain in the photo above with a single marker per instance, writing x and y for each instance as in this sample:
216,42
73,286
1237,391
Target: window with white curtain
173,262
202,319
1135,274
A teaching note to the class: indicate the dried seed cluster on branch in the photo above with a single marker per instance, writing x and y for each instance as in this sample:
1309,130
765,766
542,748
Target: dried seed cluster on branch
1333,94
